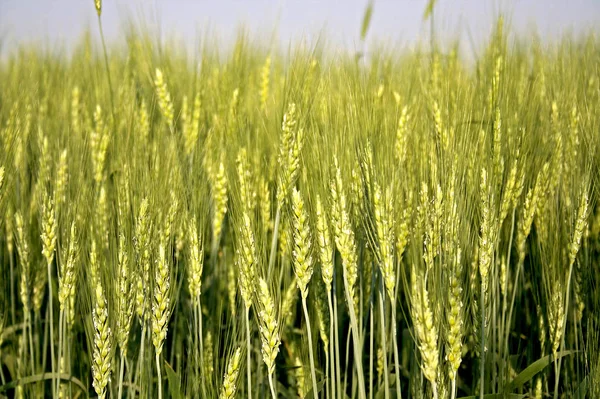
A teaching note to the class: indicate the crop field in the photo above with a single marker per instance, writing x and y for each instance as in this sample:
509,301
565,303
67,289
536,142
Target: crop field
302,223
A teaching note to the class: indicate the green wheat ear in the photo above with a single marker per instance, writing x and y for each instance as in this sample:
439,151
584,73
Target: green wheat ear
98,5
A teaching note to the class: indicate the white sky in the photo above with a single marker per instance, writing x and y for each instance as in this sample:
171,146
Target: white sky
399,22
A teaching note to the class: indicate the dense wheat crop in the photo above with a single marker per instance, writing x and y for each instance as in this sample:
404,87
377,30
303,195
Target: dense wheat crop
302,224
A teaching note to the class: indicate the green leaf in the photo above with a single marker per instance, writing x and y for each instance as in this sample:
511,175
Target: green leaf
320,385
174,382
366,21
32,379
581,390
534,368
429,10
496,396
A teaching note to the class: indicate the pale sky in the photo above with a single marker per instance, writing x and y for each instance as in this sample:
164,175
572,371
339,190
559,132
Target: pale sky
399,22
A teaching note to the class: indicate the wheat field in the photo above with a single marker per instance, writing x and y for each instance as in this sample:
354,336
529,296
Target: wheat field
300,223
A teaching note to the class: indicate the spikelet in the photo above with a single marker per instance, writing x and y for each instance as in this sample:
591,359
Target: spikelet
269,329
300,377
99,141
101,220
76,110
246,259
322,312
356,198
140,298
208,354
289,149
508,193
556,314
498,161
440,129
23,247
455,315
233,105
325,246
219,198
529,209
66,281
62,177
401,135
285,239
475,291
232,290
142,251
184,117
164,98
343,234
537,390
196,262
124,300
98,4
169,222
1,180
161,306
264,83
384,225
425,326
288,306
303,263
39,284
580,226
245,180
45,162
102,356
264,204
230,378
542,327
192,128
487,235
143,122
68,277
48,230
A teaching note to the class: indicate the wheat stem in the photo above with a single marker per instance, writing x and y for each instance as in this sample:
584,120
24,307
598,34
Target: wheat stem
248,353
383,342
121,375
159,379
396,354
310,349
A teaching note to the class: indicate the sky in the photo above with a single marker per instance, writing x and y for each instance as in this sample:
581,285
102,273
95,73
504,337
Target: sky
396,22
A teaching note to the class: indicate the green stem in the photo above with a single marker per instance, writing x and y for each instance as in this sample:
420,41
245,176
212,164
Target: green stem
332,355
121,373
61,317
310,349
30,334
396,354
159,376
271,386
453,388
384,344
506,330
563,328
201,344
249,354
51,315
482,357
356,341
371,339
337,343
